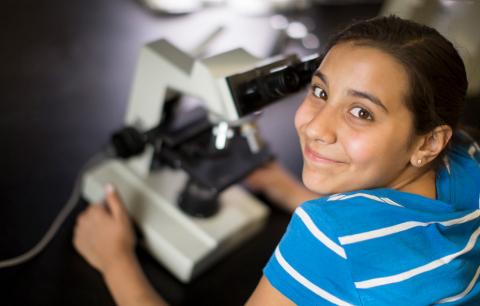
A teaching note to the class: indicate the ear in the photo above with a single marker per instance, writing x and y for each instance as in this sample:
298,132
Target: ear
430,145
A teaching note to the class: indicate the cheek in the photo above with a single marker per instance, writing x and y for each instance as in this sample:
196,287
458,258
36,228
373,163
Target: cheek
362,150
374,151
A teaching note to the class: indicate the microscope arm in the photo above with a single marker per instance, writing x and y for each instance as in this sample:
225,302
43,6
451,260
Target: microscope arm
163,67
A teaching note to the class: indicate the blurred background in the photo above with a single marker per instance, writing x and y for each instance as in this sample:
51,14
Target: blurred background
66,68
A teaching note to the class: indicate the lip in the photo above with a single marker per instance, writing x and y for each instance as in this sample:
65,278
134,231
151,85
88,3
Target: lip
319,158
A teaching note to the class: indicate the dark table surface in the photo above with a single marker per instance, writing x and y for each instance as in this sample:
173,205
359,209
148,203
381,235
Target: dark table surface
66,70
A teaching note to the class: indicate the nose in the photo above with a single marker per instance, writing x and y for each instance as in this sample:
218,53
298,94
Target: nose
322,127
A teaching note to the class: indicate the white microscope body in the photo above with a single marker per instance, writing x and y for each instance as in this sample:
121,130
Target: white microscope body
185,245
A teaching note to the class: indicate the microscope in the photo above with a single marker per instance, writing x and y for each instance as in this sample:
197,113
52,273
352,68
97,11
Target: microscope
177,171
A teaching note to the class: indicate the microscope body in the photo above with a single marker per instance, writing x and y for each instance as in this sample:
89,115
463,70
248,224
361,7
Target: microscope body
164,182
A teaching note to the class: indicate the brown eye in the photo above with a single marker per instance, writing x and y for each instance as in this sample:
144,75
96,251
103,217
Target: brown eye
361,113
319,92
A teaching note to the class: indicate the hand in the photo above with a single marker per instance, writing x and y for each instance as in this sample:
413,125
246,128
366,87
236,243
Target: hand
103,233
279,186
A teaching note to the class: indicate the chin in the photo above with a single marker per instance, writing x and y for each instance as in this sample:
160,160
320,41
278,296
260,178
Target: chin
317,184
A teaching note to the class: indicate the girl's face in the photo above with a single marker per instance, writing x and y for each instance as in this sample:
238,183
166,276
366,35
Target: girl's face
355,130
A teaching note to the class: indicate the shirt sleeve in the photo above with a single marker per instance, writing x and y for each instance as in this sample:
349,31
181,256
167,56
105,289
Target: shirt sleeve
309,266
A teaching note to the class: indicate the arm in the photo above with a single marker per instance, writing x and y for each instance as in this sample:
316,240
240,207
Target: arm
280,186
129,286
266,295
104,237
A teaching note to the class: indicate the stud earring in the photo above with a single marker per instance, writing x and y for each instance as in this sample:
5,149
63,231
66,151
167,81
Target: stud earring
419,162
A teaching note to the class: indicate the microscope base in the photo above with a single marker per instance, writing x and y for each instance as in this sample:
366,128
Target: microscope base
185,245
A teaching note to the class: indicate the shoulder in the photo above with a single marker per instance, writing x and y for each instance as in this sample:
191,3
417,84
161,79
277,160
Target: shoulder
356,211
364,210
311,265
332,246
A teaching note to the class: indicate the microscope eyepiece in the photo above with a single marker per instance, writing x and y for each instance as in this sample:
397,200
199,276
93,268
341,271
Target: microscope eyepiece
280,83
257,88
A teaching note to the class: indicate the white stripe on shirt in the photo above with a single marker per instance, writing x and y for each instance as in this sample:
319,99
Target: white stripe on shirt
464,292
391,202
380,281
335,197
349,239
306,283
365,195
318,234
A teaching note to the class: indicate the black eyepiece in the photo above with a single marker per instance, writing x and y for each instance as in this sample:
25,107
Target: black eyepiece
280,83
262,86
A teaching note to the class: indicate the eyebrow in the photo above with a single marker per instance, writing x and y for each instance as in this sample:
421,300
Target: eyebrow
353,92
368,96
321,76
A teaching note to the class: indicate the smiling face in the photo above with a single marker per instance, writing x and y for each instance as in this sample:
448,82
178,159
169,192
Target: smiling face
354,127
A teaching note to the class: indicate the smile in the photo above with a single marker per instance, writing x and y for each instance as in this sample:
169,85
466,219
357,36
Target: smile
317,158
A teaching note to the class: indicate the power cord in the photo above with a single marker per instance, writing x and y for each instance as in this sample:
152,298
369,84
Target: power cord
62,215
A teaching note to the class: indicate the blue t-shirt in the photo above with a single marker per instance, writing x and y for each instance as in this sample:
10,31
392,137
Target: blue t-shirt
387,247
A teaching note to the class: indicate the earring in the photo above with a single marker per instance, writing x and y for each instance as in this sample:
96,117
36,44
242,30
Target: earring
419,162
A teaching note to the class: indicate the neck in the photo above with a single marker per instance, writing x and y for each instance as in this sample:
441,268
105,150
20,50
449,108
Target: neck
420,181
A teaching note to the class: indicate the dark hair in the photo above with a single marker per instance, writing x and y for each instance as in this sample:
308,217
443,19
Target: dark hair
437,76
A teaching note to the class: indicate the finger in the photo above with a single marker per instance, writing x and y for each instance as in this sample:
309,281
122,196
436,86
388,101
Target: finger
114,203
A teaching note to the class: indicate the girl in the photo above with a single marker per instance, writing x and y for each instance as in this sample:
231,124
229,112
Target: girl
399,220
